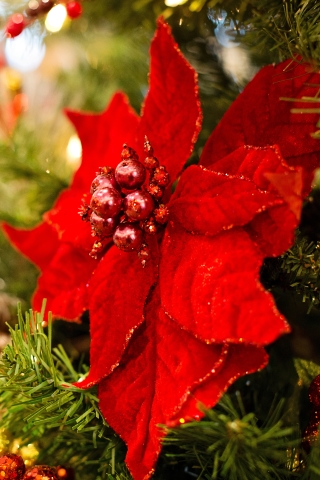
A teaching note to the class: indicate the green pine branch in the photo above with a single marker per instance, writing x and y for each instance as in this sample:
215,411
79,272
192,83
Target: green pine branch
41,405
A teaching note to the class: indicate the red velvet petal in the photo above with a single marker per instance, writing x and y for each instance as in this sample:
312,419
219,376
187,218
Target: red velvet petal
118,293
242,359
261,117
171,116
159,369
64,283
102,136
210,286
38,244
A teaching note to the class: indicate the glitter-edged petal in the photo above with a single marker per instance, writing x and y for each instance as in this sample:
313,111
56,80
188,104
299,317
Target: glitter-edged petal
118,292
162,365
171,115
262,115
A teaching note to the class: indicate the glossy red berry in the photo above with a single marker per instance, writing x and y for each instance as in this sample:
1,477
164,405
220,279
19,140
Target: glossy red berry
161,177
106,202
103,227
11,467
41,472
128,236
138,205
130,174
74,9
15,25
103,181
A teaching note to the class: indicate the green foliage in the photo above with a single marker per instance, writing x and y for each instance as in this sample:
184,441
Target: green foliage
230,444
41,405
301,264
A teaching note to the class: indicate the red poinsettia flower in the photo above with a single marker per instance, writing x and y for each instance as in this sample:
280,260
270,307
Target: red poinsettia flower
185,327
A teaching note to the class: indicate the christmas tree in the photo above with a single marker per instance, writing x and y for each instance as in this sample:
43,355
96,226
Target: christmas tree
168,293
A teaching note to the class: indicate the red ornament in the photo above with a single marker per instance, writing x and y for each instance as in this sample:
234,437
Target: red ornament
181,330
11,467
128,237
138,205
74,9
106,202
130,174
41,472
15,25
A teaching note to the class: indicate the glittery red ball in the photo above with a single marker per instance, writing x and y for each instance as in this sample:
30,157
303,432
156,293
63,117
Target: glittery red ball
103,227
128,237
74,9
41,472
104,181
314,391
138,205
130,174
15,25
106,202
11,467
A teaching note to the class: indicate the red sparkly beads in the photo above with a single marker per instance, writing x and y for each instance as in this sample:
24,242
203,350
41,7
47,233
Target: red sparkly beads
41,472
11,467
125,203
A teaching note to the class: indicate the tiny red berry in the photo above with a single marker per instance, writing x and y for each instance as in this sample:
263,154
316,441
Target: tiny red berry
138,205
161,214
128,237
15,25
155,190
104,181
128,152
151,162
74,9
161,177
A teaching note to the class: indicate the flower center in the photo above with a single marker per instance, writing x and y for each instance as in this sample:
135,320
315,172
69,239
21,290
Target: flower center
126,203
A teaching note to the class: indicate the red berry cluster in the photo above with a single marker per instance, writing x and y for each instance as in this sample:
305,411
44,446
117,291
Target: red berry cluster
125,203
18,21
12,467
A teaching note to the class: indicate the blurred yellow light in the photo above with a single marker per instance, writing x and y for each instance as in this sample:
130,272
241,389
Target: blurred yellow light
74,150
55,18
174,3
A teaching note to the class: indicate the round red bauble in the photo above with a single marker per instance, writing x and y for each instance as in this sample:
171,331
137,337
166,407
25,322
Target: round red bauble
41,472
74,9
128,237
11,467
106,202
138,205
15,25
130,174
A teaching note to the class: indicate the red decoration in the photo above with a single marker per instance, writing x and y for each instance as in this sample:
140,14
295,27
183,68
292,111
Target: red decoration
74,9
311,433
41,472
15,25
182,329
11,467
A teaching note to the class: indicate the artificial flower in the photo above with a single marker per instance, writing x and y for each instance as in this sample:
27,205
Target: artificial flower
181,330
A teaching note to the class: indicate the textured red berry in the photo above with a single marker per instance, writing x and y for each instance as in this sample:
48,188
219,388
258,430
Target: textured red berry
161,177
130,174
104,181
151,162
103,227
128,236
128,152
161,214
150,227
74,9
46,5
106,202
41,472
138,205
15,25
11,467
147,147
155,190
